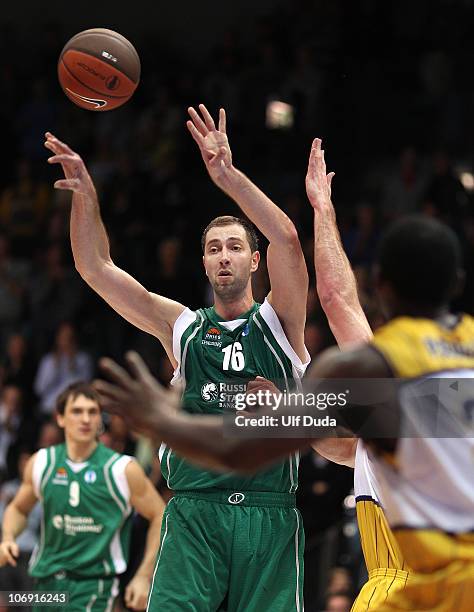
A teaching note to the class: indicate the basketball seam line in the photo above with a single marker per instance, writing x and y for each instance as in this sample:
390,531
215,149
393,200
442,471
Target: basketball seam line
106,34
97,55
91,88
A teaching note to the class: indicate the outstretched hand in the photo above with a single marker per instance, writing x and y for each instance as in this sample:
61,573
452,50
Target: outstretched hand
138,398
77,178
212,142
318,183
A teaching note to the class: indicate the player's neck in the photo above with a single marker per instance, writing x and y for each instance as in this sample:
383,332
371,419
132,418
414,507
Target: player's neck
229,311
80,451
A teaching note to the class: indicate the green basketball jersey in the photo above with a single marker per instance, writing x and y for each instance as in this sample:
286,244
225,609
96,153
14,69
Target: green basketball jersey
216,360
85,528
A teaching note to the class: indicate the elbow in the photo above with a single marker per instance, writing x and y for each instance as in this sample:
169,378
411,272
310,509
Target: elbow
290,241
291,236
88,276
88,272
346,456
285,234
82,269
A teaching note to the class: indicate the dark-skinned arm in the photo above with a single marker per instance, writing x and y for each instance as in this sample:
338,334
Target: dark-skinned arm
151,409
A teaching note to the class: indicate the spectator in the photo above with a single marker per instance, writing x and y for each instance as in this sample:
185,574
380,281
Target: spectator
10,425
60,368
50,434
56,295
22,208
339,581
403,190
339,602
445,196
167,273
17,367
361,239
13,278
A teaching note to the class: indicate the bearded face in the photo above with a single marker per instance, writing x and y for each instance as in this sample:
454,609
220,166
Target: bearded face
228,261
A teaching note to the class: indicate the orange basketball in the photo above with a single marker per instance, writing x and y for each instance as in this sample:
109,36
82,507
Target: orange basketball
99,69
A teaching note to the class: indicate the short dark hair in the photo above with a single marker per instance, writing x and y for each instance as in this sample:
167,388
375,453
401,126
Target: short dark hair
420,257
230,220
73,390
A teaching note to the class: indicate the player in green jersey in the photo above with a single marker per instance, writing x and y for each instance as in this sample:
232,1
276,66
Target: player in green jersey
228,543
87,492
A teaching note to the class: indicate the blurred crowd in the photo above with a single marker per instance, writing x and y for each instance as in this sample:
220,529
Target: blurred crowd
387,88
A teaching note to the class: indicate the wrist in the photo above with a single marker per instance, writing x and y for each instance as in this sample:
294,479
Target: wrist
7,538
321,208
229,179
143,573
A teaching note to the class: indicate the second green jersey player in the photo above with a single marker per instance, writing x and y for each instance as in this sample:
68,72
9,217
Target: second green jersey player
88,493
228,543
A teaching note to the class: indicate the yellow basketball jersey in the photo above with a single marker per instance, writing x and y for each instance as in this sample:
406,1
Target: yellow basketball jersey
428,491
419,347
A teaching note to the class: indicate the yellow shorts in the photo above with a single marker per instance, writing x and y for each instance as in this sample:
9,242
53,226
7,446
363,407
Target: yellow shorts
449,589
381,585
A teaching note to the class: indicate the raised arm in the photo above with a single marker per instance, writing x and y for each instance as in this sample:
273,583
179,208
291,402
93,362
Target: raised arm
16,515
335,281
285,260
90,246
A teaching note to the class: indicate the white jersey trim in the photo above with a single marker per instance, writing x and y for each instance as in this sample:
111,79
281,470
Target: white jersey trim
39,466
185,319
125,509
120,478
116,552
297,562
271,319
365,483
158,560
114,591
161,451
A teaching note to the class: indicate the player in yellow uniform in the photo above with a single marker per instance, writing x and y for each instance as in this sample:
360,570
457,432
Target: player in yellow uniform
428,481
425,482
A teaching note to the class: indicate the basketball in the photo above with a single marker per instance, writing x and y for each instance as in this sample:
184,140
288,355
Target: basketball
99,69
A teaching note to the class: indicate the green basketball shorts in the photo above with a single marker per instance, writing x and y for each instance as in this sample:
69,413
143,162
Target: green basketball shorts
91,594
229,551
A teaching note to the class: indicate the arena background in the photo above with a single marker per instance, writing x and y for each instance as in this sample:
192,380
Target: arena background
388,86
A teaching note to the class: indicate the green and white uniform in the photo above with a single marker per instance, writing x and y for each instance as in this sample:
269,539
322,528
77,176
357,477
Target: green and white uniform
230,542
85,529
